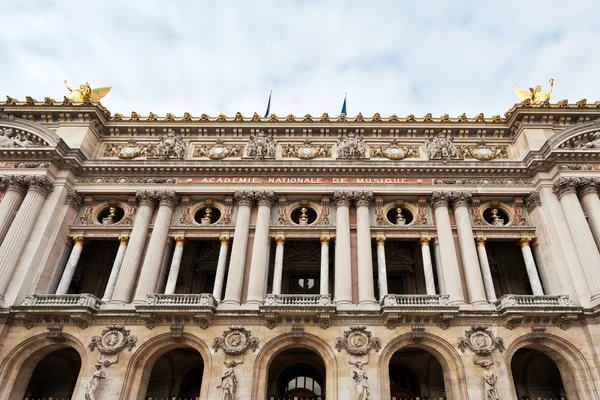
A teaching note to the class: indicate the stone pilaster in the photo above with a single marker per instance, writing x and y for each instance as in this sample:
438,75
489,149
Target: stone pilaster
135,249
21,227
156,248
16,187
324,289
566,190
486,273
221,264
237,264
468,251
451,274
381,267
343,268
67,276
278,269
427,265
534,279
366,291
114,272
260,254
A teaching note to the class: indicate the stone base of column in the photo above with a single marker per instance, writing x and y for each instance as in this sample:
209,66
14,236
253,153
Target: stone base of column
117,305
368,305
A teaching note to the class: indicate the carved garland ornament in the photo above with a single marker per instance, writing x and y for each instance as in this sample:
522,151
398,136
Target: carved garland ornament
235,341
219,150
357,341
480,340
394,151
483,152
306,150
112,341
132,149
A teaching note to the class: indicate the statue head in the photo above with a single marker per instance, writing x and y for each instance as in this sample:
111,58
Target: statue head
208,212
494,213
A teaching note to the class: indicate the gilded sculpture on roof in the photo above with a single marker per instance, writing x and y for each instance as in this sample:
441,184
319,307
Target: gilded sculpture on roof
85,92
535,95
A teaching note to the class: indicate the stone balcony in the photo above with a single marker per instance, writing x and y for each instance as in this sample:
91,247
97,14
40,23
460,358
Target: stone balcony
78,307
276,305
515,307
396,308
200,307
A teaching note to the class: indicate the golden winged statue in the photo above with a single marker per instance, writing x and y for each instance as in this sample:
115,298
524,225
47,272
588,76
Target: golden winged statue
535,95
86,91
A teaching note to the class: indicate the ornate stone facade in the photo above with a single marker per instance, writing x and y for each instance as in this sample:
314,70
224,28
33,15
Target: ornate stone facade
241,256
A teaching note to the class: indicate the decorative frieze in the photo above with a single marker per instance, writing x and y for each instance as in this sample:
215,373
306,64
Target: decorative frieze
17,138
306,150
126,180
128,151
395,151
219,150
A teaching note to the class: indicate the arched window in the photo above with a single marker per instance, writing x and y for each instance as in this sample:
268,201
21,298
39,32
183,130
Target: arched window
302,381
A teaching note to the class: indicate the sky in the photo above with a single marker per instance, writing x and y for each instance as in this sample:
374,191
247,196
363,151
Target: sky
391,57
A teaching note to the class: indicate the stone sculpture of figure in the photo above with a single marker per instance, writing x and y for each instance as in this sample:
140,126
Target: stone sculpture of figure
442,148
92,385
361,381
228,384
112,217
170,146
594,143
207,219
400,220
303,216
260,146
10,139
496,220
351,146
490,379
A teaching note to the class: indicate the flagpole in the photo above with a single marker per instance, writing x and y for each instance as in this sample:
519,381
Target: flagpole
268,105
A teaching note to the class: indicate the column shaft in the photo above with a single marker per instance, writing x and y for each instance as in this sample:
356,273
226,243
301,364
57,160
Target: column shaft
164,267
381,268
427,266
438,266
156,248
486,273
471,268
278,270
221,264
451,274
343,266
114,272
237,263
67,276
15,192
175,265
135,249
324,287
591,206
532,273
260,256
366,289
20,229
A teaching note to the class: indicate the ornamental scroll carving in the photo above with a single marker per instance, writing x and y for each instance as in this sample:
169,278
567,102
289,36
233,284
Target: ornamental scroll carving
394,151
235,341
260,146
443,148
481,151
111,342
219,150
480,340
357,341
351,147
306,150
16,138
128,151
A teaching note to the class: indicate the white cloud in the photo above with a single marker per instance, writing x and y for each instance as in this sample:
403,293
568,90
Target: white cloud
225,56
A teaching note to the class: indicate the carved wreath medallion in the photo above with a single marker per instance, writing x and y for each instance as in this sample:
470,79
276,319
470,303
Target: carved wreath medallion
218,151
357,341
112,341
235,341
480,340
481,151
306,150
394,151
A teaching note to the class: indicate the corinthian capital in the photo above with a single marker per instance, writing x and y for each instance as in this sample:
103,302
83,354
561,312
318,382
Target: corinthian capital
146,197
532,201
40,183
362,198
565,185
264,198
73,198
244,198
342,198
17,183
440,199
167,198
587,185
461,199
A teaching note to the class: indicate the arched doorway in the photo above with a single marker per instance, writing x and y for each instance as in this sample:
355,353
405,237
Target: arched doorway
55,375
177,373
535,375
296,373
415,373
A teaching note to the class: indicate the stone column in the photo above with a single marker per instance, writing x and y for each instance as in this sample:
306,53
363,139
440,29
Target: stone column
221,264
114,272
343,267
427,265
237,263
438,265
565,189
260,255
468,251
381,267
588,193
164,267
451,274
15,192
156,248
135,249
532,273
366,288
67,276
278,270
486,273
175,265
21,227
324,289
